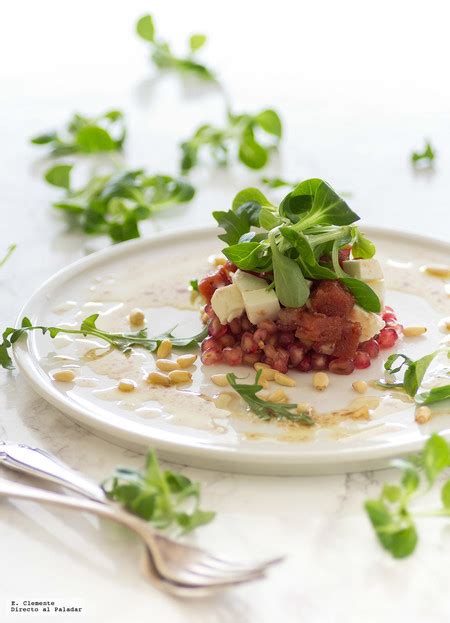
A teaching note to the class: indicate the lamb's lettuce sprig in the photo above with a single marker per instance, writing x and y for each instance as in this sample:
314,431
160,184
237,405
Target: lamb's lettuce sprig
293,240
414,373
163,56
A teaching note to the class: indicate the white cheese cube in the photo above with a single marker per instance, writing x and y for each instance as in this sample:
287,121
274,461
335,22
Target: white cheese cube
366,270
371,323
377,286
227,303
246,281
261,305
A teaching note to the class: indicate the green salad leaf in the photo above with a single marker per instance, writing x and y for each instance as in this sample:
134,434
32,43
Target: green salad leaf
163,57
86,135
298,241
114,204
164,498
124,342
426,156
414,372
393,513
254,137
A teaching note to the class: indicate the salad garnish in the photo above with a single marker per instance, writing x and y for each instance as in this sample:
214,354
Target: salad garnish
300,240
158,496
392,514
414,372
9,251
124,342
240,132
86,135
264,409
163,57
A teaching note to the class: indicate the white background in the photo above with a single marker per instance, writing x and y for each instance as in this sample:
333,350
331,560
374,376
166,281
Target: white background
359,86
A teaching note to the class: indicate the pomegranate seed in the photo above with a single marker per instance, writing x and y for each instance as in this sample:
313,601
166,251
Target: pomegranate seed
388,308
251,358
210,342
387,337
319,361
324,349
370,347
281,361
285,338
361,360
296,354
389,317
226,340
209,311
398,328
211,356
235,326
269,326
260,335
232,356
248,344
246,324
305,364
216,329
341,366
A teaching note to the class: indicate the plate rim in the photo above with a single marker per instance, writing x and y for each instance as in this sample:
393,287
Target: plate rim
27,364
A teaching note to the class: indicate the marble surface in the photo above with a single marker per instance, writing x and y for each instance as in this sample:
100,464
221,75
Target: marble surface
357,93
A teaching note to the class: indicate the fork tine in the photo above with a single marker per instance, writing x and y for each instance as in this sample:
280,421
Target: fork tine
231,565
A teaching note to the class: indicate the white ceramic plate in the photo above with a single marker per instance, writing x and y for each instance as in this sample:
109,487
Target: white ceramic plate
152,274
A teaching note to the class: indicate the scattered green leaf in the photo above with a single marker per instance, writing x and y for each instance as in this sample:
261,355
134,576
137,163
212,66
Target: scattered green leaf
426,156
124,342
9,251
158,496
86,135
163,57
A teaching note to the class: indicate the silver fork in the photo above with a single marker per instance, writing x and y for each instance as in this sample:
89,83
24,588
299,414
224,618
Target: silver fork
182,565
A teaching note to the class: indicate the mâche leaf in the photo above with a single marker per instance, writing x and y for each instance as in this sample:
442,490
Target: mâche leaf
290,285
237,134
412,378
124,342
365,297
164,498
163,57
114,204
426,156
392,514
86,135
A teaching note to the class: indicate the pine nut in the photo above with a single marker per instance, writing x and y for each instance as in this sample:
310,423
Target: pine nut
438,270
284,379
362,413
263,382
423,415
137,317
278,396
220,380
414,331
267,373
321,381
303,407
63,376
126,385
167,365
157,378
180,376
164,349
360,387
223,400
219,260
185,361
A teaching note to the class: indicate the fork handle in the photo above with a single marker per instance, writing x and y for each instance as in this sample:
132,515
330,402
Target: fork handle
39,463
109,511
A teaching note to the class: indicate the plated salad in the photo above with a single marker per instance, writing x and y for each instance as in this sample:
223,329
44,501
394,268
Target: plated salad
298,286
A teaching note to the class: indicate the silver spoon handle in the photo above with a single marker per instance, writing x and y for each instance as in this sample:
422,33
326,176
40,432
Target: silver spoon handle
37,462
